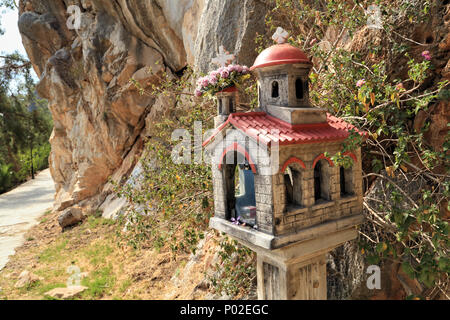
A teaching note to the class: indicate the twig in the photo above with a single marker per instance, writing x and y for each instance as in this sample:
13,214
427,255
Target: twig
395,185
410,40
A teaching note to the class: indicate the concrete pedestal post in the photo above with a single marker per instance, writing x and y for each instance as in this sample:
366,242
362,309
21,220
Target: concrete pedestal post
306,280
297,271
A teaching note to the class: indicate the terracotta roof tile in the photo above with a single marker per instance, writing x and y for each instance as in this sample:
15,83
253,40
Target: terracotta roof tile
267,129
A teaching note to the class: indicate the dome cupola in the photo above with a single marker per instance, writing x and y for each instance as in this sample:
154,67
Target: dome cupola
280,54
283,82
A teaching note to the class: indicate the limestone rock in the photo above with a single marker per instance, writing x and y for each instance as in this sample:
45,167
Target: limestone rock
27,278
70,217
234,25
66,293
100,118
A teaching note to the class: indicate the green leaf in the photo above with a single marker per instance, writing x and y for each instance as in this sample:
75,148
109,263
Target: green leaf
444,264
408,269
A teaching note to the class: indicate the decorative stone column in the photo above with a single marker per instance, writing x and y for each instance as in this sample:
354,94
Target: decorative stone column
227,101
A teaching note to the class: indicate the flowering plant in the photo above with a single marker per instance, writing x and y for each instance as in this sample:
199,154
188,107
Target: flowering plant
237,221
221,79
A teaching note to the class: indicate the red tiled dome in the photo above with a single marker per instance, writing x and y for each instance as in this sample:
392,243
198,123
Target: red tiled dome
280,54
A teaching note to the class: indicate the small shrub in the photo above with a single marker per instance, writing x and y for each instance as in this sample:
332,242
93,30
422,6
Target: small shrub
235,274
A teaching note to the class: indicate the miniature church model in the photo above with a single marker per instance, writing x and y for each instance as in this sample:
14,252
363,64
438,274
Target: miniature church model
275,189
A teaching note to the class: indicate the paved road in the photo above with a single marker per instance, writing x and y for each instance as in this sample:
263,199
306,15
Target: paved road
20,209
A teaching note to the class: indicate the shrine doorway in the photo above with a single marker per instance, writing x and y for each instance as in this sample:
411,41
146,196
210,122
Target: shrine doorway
240,191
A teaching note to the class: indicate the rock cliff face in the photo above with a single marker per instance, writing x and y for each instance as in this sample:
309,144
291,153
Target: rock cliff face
100,118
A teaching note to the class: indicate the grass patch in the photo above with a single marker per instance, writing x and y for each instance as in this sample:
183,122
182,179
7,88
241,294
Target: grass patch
99,283
53,254
98,253
125,285
96,221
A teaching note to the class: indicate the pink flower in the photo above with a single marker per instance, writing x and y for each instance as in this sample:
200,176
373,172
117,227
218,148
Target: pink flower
198,93
214,74
225,74
205,81
360,83
245,70
212,79
400,87
240,69
426,55
232,68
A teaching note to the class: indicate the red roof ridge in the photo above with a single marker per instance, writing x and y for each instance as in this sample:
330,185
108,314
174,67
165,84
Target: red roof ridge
267,129
216,131
298,126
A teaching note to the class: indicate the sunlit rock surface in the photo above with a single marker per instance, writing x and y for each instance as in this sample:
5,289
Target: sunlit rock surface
99,116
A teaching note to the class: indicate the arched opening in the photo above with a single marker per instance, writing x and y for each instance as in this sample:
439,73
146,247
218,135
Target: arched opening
346,181
292,183
259,95
318,181
299,89
275,89
321,182
240,191
220,106
231,106
245,195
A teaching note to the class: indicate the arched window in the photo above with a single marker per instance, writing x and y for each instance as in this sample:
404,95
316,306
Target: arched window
220,106
346,181
292,183
275,89
299,88
318,181
321,182
231,106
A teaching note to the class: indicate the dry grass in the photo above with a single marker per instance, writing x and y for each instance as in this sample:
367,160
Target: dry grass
112,271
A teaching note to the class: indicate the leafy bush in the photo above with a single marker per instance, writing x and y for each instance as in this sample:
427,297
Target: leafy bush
5,177
170,203
380,83
235,274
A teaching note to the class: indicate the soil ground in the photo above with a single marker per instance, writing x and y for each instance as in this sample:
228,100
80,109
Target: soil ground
110,270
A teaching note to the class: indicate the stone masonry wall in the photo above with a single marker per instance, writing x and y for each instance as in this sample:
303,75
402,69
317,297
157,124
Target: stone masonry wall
273,216
309,213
